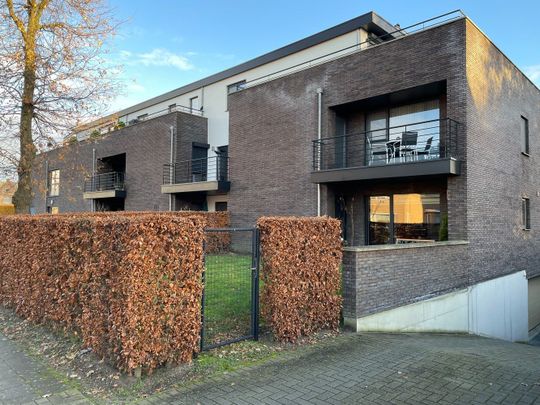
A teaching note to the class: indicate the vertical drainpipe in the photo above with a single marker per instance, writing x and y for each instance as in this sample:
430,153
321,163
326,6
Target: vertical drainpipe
171,167
319,136
93,202
46,183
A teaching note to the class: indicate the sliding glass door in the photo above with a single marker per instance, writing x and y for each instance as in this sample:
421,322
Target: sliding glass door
404,218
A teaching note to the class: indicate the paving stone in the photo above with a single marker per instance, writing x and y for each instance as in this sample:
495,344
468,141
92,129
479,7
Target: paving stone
24,380
387,368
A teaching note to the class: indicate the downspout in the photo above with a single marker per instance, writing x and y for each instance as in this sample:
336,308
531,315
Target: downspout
93,202
46,183
319,137
171,166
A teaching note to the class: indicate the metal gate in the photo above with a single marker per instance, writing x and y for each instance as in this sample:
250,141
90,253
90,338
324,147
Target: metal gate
230,303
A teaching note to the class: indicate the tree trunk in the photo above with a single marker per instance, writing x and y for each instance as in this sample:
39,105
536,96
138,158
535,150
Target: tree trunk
23,196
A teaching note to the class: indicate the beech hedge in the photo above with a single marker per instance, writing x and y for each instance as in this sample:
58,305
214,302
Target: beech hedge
130,285
301,258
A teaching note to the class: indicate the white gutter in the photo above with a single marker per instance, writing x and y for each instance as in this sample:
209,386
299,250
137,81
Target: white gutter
319,137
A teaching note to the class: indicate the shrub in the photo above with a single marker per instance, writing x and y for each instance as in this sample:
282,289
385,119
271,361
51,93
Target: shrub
301,274
130,285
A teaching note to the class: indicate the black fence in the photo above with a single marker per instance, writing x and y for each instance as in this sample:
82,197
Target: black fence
105,182
230,304
215,168
435,139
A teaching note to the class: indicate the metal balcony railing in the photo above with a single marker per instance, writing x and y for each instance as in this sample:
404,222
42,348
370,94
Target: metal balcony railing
415,142
215,168
105,182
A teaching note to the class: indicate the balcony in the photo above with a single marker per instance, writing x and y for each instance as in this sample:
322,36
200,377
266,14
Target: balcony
418,149
209,174
105,185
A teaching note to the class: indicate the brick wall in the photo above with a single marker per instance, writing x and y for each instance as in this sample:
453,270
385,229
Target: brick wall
498,94
147,149
376,278
271,126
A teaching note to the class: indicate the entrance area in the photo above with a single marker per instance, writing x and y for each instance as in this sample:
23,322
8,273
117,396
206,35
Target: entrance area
230,305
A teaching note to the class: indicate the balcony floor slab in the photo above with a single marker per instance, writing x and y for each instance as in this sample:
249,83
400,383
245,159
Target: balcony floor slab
448,166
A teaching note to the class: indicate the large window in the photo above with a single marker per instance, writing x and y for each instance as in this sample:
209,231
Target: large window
54,183
405,218
417,121
525,144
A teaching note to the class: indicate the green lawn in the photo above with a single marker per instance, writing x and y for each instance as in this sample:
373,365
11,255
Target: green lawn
227,307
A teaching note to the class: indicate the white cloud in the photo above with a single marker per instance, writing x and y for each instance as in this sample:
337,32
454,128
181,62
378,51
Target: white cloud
534,73
157,57
161,57
135,87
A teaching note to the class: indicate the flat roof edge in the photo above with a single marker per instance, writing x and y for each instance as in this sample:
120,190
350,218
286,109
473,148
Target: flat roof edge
370,20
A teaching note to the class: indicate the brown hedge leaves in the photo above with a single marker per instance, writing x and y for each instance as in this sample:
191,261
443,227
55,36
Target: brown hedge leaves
129,284
301,272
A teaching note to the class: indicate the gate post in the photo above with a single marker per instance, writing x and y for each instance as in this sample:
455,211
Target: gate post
255,285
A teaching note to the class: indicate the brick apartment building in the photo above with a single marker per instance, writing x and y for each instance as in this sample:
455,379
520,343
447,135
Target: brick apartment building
422,140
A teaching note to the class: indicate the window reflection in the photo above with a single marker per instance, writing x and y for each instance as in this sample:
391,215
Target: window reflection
416,218
389,125
379,220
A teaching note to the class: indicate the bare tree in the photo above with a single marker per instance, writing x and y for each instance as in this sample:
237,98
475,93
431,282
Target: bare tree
53,75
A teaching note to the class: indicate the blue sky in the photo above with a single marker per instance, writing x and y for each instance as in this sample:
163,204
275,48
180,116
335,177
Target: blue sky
165,44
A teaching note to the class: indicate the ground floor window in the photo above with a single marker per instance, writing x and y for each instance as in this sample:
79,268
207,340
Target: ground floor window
221,205
405,218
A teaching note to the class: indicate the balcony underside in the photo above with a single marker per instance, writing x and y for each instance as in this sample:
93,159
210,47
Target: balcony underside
447,166
94,195
204,186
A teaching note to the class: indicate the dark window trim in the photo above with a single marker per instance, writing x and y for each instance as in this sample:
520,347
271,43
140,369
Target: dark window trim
526,213
527,145
367,213
200,145
235,87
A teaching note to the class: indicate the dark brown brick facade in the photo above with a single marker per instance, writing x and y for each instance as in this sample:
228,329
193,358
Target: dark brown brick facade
272,126
147,149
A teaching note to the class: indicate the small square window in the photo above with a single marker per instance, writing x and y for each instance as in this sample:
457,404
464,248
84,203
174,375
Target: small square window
525,141
172,107
526,213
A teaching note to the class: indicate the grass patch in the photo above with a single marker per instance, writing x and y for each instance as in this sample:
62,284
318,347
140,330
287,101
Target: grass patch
227,306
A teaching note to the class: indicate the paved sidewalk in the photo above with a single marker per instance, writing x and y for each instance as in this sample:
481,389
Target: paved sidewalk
25,381
383,368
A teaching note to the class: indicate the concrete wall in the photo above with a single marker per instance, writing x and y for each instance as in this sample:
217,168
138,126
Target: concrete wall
147,149
496,308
